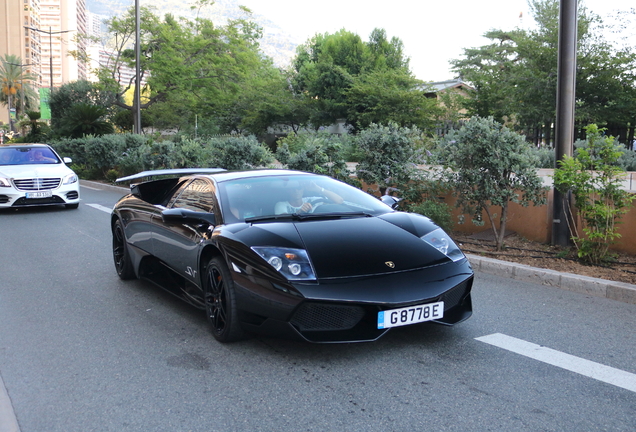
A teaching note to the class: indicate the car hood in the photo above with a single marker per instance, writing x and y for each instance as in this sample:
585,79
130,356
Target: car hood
354,247
34,170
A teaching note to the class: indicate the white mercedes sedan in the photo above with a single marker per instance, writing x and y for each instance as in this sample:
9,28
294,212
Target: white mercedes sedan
35,175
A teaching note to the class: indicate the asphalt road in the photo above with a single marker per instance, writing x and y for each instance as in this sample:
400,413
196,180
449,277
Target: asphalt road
81,350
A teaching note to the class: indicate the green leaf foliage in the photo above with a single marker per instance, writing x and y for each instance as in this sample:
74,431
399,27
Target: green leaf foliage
515,76
237,153
594,178
490,165
389,156
84,119
321,153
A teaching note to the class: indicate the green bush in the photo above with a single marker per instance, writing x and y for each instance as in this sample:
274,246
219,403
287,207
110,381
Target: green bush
320,153
439,212
389,155
237,153
593,176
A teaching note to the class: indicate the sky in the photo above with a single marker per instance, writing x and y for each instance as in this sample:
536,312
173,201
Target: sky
433,32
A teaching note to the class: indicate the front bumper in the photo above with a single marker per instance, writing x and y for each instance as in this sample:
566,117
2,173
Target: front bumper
11,197
347,310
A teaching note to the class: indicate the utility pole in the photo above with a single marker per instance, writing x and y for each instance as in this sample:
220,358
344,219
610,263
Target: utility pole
50,33
564,127
137,95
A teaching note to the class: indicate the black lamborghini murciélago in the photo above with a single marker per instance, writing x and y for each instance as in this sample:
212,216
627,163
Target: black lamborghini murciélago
288,254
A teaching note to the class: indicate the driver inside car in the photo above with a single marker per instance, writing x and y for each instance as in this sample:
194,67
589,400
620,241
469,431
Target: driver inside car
298,203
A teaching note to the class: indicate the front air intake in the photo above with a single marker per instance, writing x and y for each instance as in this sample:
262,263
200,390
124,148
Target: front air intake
324,317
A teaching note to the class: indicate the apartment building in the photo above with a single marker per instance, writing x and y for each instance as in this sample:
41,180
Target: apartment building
43,33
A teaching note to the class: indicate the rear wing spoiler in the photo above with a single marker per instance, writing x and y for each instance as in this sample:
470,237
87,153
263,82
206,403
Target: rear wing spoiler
169,172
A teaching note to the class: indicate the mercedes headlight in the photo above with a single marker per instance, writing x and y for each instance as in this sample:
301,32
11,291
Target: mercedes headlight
70,179
294,264
443,243
4,182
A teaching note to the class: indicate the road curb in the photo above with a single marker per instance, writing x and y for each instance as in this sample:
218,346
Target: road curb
619,291
100,185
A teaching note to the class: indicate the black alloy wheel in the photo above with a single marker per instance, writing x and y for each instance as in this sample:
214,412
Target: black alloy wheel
220,302
121,256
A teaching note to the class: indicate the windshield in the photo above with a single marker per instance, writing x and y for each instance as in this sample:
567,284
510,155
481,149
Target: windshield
264,198
27,155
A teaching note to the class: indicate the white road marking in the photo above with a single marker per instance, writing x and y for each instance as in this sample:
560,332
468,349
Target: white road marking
91,188
100,207
606,374
8,421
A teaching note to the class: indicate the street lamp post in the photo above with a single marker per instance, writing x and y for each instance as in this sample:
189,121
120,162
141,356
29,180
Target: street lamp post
50,33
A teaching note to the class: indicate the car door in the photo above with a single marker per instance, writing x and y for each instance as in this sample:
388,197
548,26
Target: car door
177,244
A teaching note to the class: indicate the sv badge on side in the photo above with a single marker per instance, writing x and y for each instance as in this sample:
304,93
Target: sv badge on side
190,272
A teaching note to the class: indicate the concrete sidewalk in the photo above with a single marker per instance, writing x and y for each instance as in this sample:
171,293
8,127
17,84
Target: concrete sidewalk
619,291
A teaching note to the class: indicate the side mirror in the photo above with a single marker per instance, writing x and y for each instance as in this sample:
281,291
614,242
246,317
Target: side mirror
67,160
391,201
181,215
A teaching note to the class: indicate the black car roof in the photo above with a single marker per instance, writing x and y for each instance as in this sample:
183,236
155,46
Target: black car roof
218,174
235,175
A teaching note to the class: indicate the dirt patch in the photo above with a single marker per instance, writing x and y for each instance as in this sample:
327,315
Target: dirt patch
622,268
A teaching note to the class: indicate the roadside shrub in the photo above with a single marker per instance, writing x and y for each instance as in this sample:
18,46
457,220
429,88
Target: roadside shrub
112,175
320,153
389,156
544,155
188,153
439,212
103,152
489,165
237,153
593,176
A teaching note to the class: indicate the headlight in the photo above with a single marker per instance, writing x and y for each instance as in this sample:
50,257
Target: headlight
70,179
4,182
443,243
294,264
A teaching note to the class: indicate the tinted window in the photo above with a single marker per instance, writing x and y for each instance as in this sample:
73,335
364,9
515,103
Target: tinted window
251,197
27,155
198,196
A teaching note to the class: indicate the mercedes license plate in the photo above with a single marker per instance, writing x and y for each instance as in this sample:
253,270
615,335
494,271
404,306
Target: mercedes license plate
45,194
410,315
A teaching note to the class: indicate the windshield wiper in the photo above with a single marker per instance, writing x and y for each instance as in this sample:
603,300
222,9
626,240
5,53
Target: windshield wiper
335,215
284,216
307,216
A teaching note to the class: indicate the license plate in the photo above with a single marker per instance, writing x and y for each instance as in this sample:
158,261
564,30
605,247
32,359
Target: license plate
46,194
410,315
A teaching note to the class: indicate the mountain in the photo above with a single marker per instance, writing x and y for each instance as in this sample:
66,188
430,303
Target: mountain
276,43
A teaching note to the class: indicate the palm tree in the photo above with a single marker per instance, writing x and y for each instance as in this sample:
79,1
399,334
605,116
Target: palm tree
85,119
15,88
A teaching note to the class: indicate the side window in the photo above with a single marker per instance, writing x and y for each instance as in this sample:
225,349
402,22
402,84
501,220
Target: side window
197,196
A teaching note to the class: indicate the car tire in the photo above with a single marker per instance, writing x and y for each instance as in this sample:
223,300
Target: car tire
121,255
72,206
220,302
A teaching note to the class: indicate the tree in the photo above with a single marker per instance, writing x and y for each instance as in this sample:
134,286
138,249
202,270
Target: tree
64,98
489,165
515,75
15,84
336,70
192,66
38,131
389,95
84,119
